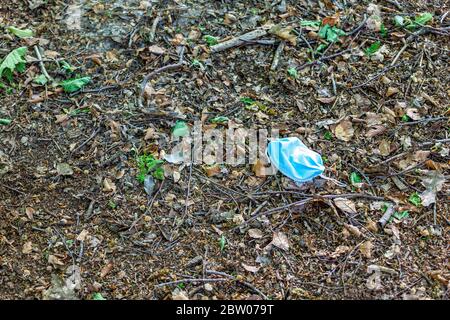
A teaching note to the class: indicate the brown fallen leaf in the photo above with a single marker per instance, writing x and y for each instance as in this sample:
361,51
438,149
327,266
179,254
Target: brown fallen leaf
106,269
326,100
255,233
284,33
353,230
385,147
156,50
29,211
372,225
366,249
55,261
108,185
345,205
252,269
413,113
340,250
27,247
280,240
344,130
212,170
391,91
259,169
375,131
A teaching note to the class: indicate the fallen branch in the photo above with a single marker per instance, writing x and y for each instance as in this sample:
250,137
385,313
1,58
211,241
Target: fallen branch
174,66
237,41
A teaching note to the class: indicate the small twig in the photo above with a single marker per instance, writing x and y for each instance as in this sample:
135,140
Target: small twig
382,72
87,140
423,121
277,55
190,280
247,284
399,53
174,66
434,142
41,63
151,37
321,59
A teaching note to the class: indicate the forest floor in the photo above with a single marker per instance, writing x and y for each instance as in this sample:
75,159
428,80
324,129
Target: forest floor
363,83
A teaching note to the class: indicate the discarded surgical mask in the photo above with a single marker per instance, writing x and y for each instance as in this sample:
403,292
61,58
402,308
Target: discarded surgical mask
294,159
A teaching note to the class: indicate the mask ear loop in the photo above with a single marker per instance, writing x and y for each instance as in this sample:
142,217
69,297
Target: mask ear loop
336,182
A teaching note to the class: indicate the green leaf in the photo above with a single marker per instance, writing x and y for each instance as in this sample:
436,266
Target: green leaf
331,34
383,31
97,296
67,67
220,119
247,101
321,47
293,72
180,129
310,23
419,21
13,61
21,33
73,85
406,118
210,40
222,242
42,80
323,31
400,215
424,18
374,47
355,178
159,173
196,63
415,199
328,135
5,122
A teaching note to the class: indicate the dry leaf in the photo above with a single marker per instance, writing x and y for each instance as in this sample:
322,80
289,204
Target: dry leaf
179,294
259,169
344,130
280,240
385,147
156,50
29,212
391,91
255,233
326,100
212,170
108,185
413,113
353,230
54,260
82,236
252,269
284,33
366,249
27,247
372,225
340,250
345,205
375,131
105,270
61,118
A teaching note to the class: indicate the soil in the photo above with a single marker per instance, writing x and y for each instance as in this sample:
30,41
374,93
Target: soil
75,222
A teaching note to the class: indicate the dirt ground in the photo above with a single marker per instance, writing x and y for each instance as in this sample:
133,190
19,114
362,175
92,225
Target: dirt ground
75,222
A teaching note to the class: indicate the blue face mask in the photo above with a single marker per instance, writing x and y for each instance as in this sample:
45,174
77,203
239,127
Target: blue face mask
294,159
